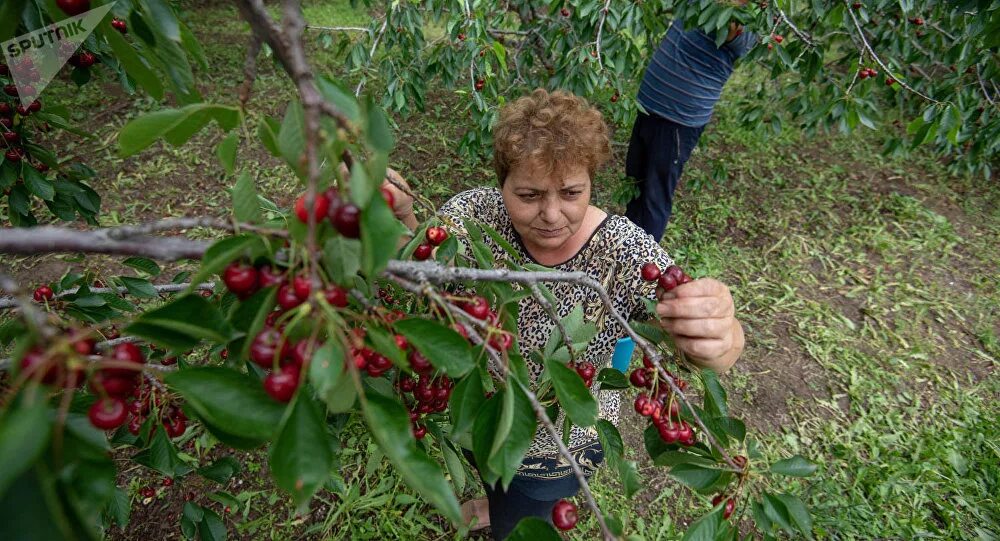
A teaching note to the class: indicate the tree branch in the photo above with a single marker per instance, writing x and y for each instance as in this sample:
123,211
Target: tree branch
54,239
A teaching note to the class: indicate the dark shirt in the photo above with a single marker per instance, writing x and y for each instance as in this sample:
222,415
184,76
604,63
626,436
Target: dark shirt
686,74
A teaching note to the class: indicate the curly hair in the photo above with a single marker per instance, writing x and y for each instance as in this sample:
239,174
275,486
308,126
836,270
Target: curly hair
554,130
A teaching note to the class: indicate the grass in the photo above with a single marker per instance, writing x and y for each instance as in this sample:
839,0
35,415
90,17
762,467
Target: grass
868,287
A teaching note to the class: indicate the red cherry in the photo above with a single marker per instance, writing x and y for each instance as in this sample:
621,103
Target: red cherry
266,346
564,515
287,299
778,38
407,384
175,426
267,277
730,505
480,84
73,7
135,425
684,432
11,136
478,307
302,286
856,5
639,377
34,359
889,81
419,363
419,431
401,342
502,341
241,279
13,155
640,403
119,25
649,271
167,482
282,383
108,413
389,198
85,346
43,293
586,370
461,36
322,205
740,461
614,98
336,296
126,352
423,252
10,90
564,12
302,352
112,385
148,492
347,220
669,432
436,235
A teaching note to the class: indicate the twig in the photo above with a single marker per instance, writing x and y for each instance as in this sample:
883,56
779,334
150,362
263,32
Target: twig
986,94
10,302
187,222
600,29
888,72
371,52
338,28
802,35
249,70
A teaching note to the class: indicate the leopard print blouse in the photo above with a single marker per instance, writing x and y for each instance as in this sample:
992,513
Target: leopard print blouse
612,256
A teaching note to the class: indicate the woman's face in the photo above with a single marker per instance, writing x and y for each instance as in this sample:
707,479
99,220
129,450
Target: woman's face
546,209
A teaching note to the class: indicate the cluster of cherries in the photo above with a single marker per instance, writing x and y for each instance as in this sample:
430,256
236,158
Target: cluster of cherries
587,371
660,404
10,110
270,346
148,400
244,280
435,236
479,308
865,73
344,216
668,279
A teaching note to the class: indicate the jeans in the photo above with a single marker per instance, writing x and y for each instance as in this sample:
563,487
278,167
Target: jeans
656,156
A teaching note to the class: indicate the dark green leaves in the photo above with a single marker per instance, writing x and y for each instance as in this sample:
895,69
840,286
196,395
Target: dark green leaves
330,378
502,433
24,432
443,347
246,205
175,126
796,466
574,396
533,529
715,395
705,528
380,234
695,476
229,401
389,423
221,471
300,457
182,324
161,455
466,400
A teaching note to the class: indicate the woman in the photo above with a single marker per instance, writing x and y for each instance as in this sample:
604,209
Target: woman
547,149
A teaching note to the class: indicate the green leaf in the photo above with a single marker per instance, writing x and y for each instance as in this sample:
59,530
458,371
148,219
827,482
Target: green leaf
143,264
132,63
506,457
362,187
611,442
267,130
705,528
628,472
211,528
175,126
443,347
228,399
139,287
695,476
119,508
246,205
380,233
38,184
798,513
715,395
10,18
226,151
455,467
161,455
221,471
342,259
343,100
225,251
24,433
612,379
796,466
533,529
379,133
389,423
574,397
300,457
777,513
467,398
182,324
163,19
291,136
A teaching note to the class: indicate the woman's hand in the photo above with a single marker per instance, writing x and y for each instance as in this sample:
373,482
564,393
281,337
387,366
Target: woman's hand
700,315
402,202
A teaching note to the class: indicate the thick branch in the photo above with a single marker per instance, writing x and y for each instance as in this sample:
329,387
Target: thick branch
53,239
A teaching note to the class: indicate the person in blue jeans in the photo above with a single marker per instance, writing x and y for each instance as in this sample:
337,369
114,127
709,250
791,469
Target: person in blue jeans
683,81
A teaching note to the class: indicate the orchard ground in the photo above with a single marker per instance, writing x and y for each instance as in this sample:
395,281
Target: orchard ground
869,289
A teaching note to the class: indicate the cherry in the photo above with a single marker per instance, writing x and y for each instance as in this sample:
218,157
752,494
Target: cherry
10,90
112,385
614,98
889,81
436,235
119,25
11,136
639,377
419,431
778,38
148,492
266,277
564,515
401,342
669,432
650,272
135,425
35,358
667,282
730,506
640,403
13,155
169,361
480,84
564,12
423,252
241,279
302,286
461,36
175,426
419,363
478,307
108,413
84,346
167,482
586,370
23,111
265,347
740,461
856,5
43,293
322,205
685,433
407,384
302,352
73,7
282,383
347,220
336,296
917,21
502,341
287,299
